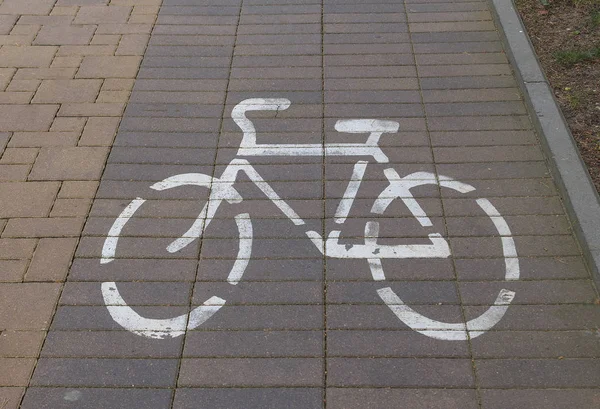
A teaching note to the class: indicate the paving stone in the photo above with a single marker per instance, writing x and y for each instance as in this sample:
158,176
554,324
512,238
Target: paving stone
68,124
7,98
64,34
51,259
518,344
249,318
108,344
21,344
97,398
238,398
99,131
12,270
399,372
45,73
26,56
250,372
44,227
23,86
532,268
16,371
536,373
11,397
17,249
26,117
29,199
81,163
109,67
34,7
89,109
99,15
14,173
71,208
104,372
6,23
78,189
17,301
6,76
56,91
544,317
19,155
129,269
254,344
354,398
137,293
390,344
548,398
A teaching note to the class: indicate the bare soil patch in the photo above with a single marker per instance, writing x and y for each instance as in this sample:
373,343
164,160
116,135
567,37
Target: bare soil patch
566,37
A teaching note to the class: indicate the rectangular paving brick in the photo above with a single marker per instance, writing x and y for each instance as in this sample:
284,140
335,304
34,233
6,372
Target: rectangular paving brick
250,372
398,372
69,163
56,91
346,398
553,345
96,398
109,67
536,373
16,301
108,344
64,34
26,117
51,259
27,199
104,372
254,344
548,398
16,371
239,398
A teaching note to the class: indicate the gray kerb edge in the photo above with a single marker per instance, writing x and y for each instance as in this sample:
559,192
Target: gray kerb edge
573,180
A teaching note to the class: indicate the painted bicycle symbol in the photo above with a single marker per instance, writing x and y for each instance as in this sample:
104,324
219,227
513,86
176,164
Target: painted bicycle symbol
222,189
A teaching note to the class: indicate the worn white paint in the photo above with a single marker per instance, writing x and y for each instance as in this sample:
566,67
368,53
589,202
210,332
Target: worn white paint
508,243
443,330
372,250
126,317
343,209
244,225
110,244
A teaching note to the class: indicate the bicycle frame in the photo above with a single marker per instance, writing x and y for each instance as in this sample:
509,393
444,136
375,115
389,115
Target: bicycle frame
399,188
222,188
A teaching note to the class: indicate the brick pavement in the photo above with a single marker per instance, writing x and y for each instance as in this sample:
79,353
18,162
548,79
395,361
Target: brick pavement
87,126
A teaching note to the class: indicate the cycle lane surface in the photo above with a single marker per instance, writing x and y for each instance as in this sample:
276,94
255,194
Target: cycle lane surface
306,325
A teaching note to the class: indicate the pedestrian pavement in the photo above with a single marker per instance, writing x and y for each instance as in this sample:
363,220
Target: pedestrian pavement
328,204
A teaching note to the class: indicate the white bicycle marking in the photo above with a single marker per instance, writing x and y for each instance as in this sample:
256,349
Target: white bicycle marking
126,317
243,257
110,244
447,331
427,326
508,243
221,189
249,146
343,209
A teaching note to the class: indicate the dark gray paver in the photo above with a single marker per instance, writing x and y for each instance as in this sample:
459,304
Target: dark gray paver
96,398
